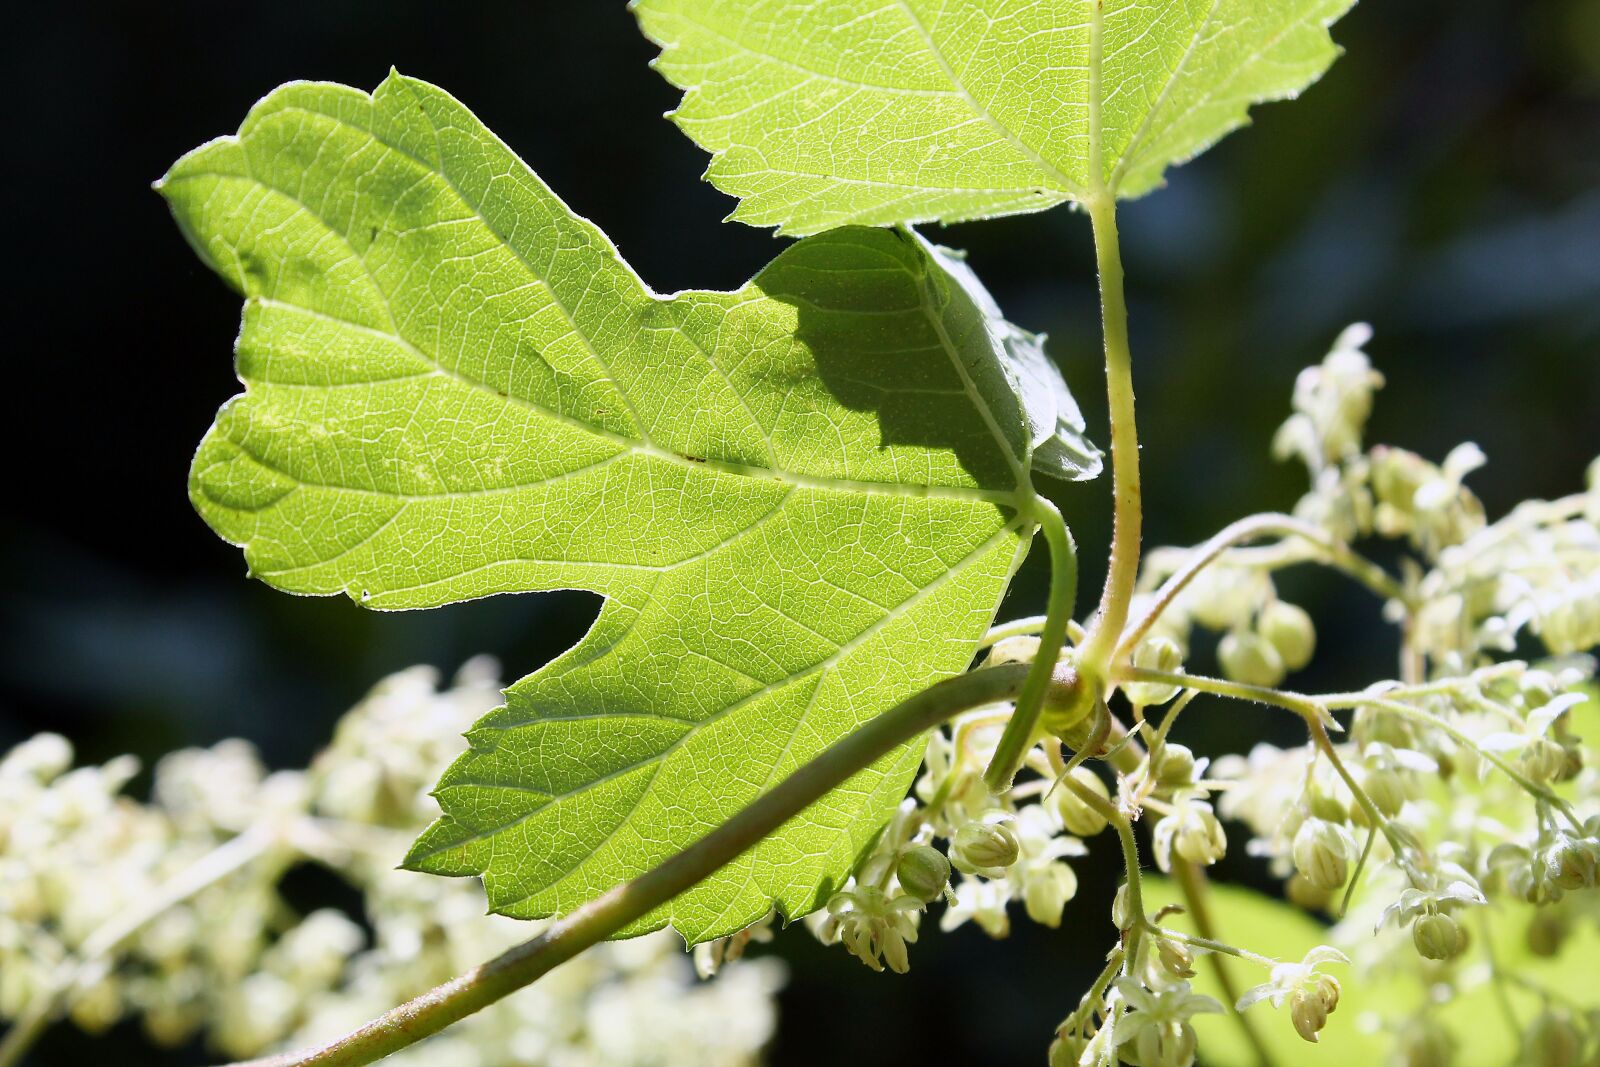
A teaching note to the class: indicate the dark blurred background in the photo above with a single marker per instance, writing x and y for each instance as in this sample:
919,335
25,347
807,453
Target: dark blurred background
1441,182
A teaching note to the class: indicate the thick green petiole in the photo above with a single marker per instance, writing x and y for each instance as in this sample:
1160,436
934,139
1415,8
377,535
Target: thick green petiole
1094,661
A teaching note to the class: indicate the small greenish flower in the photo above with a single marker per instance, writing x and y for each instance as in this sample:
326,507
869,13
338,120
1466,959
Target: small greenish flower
923,872
1249,658
1192,832
1157,653
1438,937
1312,995
876,927
984,846
1157,1025
1322,852
1176,767
982,901
1290,631
1077,815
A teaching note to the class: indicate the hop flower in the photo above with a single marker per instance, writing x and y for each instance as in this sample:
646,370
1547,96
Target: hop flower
1290,631
1332,402
1312,995
1176,767
876,927
1249,658
1570,861
982,901
1438,937
984,846
923,872
1192,832
1157,1027
1322,853
1075,813
1157,653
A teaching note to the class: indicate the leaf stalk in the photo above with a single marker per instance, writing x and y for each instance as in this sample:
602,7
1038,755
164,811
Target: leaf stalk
1122,574
1018,735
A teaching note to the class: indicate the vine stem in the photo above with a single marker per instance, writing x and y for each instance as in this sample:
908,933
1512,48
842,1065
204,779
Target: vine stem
209,869
632,901
1317,719
1134,934
1122,574
1335,553
1017,737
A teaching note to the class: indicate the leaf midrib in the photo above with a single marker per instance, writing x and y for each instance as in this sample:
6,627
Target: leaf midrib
981,110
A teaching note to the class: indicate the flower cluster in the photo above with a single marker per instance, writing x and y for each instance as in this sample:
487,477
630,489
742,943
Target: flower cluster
170,910
1462,785
1004,848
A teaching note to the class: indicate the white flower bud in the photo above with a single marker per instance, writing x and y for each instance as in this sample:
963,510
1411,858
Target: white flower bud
1543,760
1312,1003
1121,913
1387,791
923,872
1305,894
1046,888
1158,653
1076,815
985,848
43,757
1175,767
1193,832
1250,658
1570,863
1175,959
1322,854
1289,629
1438,937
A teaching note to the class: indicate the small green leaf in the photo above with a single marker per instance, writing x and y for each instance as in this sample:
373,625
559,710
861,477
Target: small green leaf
802,500
883,111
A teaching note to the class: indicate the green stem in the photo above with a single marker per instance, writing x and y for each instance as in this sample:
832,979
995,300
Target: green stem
1334,552
1122,573
1018,735
1130,862
1316,716
1529,786
1191,883
631,901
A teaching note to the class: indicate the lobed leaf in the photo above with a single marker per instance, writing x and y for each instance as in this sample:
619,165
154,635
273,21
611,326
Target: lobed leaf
833,112
801,500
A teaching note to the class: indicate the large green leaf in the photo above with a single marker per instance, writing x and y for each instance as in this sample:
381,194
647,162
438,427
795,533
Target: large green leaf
802,500
879,111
